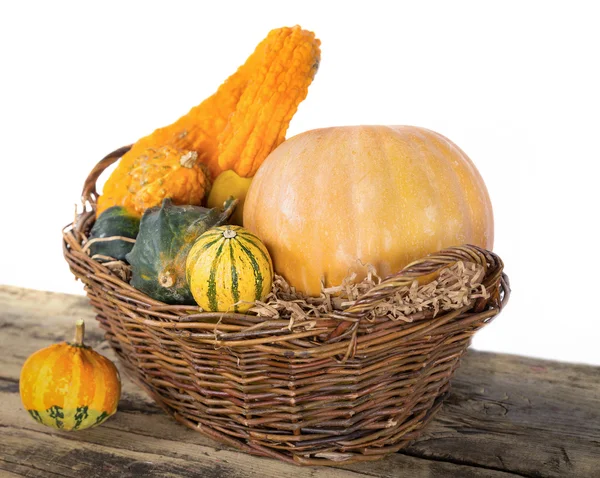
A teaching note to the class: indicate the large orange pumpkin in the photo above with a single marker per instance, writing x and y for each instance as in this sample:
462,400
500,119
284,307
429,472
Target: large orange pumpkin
382,195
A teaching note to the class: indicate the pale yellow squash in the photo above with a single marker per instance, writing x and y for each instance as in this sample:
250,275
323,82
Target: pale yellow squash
229,184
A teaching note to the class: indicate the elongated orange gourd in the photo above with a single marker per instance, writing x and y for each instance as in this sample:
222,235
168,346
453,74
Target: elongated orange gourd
238,126
328,200
269,101
70,386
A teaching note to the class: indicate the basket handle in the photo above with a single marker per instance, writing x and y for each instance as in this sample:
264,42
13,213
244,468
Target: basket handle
89,193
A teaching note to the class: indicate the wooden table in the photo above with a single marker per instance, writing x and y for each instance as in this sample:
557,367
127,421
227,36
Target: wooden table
506,416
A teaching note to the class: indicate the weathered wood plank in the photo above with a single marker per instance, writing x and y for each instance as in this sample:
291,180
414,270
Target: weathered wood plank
15,473
506,416
532,417
108,452
121,445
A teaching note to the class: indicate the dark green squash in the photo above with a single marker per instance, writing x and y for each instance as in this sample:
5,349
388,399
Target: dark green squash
167,233
112,224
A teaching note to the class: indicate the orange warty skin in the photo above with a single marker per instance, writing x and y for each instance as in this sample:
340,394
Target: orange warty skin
242,122
382,195
165,172
66,378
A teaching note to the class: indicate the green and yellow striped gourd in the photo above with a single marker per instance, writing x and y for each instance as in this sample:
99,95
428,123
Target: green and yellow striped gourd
229,268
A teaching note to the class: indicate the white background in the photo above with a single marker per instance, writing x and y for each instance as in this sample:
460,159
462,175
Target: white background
514,84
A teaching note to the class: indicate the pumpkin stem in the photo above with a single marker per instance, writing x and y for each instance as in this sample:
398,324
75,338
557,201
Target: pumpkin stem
229,207
188,159
166,279
229,233
79,332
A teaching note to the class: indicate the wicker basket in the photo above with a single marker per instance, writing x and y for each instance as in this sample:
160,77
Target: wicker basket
345,389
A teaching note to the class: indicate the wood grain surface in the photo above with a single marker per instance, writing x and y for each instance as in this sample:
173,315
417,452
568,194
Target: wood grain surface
506,416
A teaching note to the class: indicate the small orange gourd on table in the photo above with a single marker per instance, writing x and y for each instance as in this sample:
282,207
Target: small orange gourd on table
69,386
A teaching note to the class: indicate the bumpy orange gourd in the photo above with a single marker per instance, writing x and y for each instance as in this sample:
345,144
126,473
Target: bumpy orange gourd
385,196
163,172
238,126
70,386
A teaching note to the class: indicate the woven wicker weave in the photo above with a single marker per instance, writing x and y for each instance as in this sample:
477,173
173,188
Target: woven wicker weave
344,389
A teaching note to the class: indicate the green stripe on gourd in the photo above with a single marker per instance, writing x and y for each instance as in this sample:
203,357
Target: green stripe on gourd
228,269
246,239
235,291
69,419
212,281
258,278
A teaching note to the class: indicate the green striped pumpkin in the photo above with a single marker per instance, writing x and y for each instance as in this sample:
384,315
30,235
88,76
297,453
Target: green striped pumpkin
228,268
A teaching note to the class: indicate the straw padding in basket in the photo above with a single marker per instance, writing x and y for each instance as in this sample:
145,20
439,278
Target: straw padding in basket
351,376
